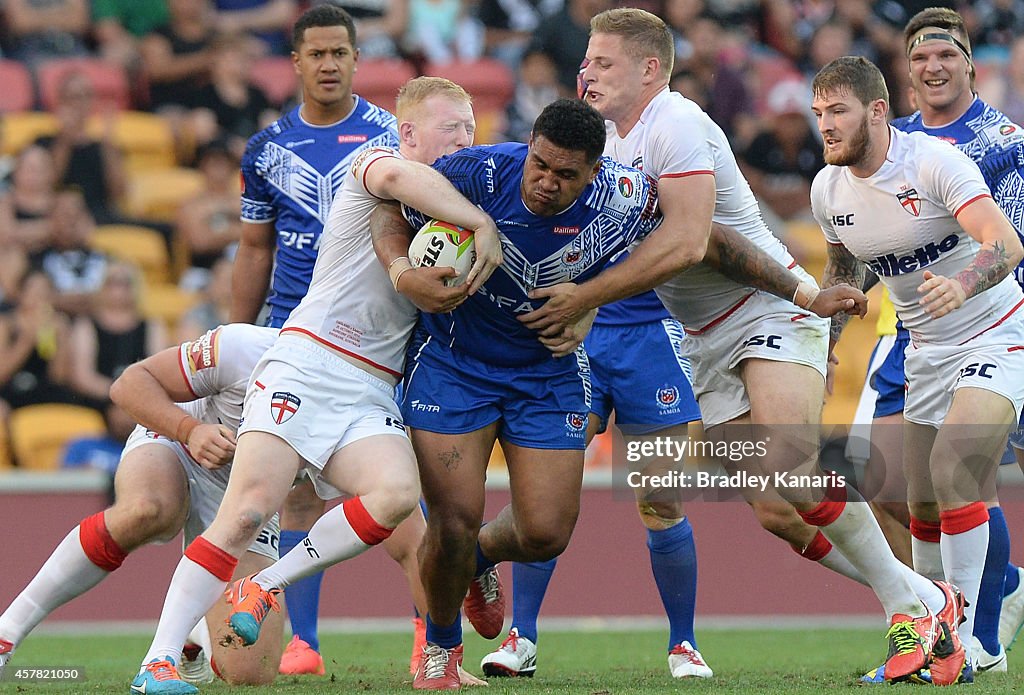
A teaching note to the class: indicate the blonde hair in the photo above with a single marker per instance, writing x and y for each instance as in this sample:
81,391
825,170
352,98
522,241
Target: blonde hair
643,34
416,91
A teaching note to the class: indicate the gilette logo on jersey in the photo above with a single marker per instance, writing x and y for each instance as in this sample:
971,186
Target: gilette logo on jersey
890,265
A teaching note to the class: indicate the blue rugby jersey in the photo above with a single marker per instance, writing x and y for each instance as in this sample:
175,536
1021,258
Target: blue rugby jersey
996,144
619,207
291,171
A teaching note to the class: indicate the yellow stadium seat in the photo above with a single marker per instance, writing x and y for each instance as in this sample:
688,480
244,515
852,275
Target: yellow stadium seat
5,449
145,139
157,194
166,302
20,129
40,433
140,246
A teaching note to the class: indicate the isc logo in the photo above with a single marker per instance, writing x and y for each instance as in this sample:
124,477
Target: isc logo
432,252
842,220
982,369
772,341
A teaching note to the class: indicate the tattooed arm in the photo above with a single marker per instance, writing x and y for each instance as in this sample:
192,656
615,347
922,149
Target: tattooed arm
841,267
743,261
999,254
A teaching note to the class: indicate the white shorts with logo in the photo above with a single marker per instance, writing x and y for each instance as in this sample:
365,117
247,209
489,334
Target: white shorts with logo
318,403
993,361
205,490
762,327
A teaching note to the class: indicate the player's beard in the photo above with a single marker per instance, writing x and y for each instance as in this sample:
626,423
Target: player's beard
856,148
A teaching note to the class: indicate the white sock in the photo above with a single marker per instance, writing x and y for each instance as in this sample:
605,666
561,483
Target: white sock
330,541
963,556
927,558
836,562
192,593
201,635
66,574
855,533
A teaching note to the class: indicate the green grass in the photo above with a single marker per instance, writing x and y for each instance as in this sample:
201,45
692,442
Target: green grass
589,663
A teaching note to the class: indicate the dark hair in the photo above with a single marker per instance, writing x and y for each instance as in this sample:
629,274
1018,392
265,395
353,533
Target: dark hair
573,125
323,16
853,74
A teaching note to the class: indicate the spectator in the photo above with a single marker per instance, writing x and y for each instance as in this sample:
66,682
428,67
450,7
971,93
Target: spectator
41,30
784,157
33,189
13,259
230,107
727,99
34,349
269,21
509,24
379,25
1005,89
216,305
75,270
92,164
564,37
210,223
176,57
537,87
998,22
440,31
119,25
111,336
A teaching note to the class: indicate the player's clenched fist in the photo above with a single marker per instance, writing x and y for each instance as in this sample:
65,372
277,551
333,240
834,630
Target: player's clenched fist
212,446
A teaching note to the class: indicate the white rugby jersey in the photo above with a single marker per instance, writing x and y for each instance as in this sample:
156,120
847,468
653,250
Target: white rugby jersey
672,139
217,367
901,220
351,306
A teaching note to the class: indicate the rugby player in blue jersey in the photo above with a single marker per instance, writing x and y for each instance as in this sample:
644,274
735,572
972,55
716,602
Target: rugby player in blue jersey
478,375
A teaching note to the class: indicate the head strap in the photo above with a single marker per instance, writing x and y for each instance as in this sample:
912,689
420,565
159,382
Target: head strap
939,36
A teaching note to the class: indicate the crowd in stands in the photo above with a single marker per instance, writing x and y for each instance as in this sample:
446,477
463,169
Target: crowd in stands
122,123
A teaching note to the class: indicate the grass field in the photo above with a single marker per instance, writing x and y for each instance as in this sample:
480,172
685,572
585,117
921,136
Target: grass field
589,663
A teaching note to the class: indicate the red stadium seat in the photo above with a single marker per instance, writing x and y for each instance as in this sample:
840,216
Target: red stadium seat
489,81
108,80
378,81
18,93
275,76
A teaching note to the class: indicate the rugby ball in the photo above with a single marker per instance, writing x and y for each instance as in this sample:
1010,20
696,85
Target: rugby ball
440,244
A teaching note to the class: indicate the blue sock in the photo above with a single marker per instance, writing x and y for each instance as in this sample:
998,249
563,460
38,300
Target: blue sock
990,596
529,585
446,636
674,563
1012,580
302,597
482,563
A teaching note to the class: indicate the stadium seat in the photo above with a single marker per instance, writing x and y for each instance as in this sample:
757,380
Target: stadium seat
276,78
166,302
21,128
378,81
18,93
157,194
108,80
145,139
489,81
6,463
140,246
39,433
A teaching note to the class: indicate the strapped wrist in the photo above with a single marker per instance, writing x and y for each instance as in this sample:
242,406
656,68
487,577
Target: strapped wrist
396,268
805,294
